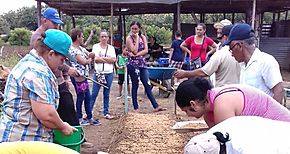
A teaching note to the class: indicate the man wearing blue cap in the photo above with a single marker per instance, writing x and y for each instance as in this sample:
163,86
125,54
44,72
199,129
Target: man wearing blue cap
50,20
258,69
221,63
31,97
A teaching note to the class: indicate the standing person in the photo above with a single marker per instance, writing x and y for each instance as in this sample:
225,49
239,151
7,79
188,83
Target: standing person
29,106
50,20
258,69
225,67
121,63
197,45
137,48
83,59
177,55
66,111
105,58
219,26
197,98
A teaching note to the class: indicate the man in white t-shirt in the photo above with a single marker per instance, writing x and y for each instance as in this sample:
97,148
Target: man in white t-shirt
246,135
221,63
258,69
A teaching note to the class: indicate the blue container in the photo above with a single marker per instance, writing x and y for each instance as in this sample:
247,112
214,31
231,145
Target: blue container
161,73
163,61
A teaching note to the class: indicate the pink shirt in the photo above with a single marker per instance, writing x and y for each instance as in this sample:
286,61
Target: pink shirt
195,48
256,103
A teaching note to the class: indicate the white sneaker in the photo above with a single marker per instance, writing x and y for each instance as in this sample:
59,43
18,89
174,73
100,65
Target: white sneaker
129,97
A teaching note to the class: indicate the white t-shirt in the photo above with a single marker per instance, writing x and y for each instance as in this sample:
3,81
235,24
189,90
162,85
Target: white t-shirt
110,52
247,134
255,135
262,72
225,67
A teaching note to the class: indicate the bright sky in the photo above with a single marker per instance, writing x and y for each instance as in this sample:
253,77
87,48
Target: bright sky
15,4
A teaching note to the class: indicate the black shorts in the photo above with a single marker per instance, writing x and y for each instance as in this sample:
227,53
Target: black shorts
121,78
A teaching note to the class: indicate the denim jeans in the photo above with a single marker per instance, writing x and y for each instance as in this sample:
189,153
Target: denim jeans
84,96
135,73
106,92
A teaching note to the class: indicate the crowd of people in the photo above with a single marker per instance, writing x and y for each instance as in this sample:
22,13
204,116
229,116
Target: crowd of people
244,80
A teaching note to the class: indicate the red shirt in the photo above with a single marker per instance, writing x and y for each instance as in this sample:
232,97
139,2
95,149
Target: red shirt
195,48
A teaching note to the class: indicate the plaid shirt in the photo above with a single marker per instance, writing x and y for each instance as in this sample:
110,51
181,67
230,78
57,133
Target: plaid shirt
30,79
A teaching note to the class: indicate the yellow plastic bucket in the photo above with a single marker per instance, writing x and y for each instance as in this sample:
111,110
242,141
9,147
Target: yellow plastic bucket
73,141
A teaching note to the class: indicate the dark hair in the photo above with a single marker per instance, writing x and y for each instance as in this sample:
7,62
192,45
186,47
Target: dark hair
138,24
192,89
154,38
74,33
178,33
222,139
202,25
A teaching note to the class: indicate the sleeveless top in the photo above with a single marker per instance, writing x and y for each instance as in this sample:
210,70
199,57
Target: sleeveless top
256,103
139,61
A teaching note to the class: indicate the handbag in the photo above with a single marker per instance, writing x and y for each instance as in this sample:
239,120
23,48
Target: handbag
82,87
100,77
196,62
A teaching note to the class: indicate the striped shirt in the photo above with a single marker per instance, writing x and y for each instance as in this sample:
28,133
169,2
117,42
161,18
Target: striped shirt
30,79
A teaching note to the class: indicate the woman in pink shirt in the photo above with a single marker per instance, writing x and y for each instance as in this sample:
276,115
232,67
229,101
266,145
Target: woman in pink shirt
193,44
197,98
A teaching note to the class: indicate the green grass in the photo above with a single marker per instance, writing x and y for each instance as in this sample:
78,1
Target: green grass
9,61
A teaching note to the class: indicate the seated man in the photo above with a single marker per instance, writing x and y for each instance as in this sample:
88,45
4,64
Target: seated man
154,49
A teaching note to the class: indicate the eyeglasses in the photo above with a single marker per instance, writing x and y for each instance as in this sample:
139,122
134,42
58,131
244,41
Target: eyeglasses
231,48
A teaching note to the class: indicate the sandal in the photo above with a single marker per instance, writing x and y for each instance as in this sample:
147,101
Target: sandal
108,116
159,109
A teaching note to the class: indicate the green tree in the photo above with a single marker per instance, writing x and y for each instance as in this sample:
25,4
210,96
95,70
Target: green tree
27,17
19,36
4,26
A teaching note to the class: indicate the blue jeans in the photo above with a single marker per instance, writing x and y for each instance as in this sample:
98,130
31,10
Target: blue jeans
84,96
106,92
135,73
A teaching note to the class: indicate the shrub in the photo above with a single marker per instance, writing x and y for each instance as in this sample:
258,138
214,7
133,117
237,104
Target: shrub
19,36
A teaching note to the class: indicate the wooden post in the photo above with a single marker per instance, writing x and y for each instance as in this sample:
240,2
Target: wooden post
178,17
125,85
286,15
73,21
111,23
124,29
38,13
254,14
233,18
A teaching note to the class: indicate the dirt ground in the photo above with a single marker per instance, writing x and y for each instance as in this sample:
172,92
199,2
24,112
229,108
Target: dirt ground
108,137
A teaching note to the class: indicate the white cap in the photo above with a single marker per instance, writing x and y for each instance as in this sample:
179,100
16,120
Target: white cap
222,23
202,144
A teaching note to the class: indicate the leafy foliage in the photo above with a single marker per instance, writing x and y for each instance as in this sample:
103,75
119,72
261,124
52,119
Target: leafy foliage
4,26
19,36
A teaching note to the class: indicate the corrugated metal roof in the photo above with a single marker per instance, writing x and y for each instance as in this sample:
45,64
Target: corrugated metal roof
103,7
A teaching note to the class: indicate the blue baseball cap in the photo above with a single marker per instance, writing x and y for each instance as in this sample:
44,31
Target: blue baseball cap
239,32
58,41
52,14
